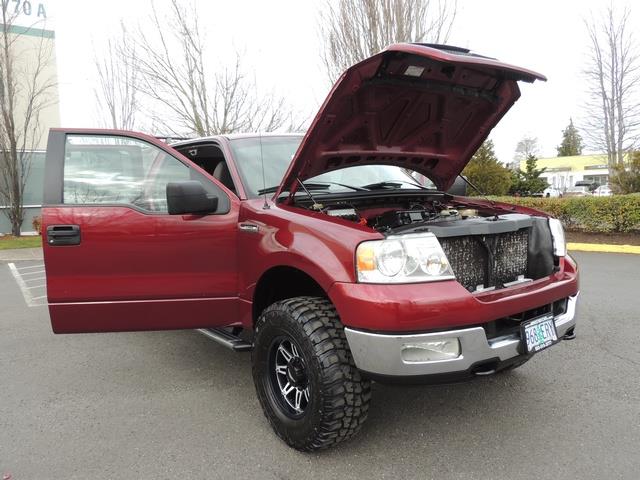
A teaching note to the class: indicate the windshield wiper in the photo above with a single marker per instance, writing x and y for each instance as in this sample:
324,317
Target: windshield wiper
310,186
313,186
392,185
357,189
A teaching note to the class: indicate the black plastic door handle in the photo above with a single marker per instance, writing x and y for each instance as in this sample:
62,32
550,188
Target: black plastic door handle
63,235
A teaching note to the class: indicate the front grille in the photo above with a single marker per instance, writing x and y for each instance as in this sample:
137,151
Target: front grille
488,260
468,258
511,325
511,256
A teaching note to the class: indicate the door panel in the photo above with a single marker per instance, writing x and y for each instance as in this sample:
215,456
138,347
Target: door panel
127,316
135,267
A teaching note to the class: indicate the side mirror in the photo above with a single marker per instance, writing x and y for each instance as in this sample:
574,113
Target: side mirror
190,197
459,187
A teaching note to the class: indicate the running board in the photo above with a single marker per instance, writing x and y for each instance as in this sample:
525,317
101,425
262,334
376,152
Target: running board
226,339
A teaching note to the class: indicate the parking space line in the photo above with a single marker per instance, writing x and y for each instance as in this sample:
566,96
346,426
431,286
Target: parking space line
32,279
32,273
31,266
28,298
36,286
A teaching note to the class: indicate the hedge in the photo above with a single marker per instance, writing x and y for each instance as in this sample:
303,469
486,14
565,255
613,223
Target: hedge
615,214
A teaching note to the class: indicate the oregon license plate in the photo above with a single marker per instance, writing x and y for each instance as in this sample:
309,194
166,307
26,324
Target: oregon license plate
539,333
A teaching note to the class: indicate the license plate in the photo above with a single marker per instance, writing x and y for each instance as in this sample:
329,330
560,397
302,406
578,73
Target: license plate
539,333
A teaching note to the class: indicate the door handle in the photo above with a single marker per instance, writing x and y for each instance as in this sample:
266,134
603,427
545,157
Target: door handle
249,227
63,235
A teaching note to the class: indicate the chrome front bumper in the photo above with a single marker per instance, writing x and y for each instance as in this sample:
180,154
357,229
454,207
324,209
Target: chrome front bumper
382,354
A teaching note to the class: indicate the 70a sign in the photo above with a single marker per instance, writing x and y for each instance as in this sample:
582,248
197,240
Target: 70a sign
25,12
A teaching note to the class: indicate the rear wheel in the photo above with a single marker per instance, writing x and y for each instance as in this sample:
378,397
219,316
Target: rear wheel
309,388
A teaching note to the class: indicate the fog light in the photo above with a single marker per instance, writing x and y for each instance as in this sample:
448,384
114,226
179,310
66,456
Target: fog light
442,349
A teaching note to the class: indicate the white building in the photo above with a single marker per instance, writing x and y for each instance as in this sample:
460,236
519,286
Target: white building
564,172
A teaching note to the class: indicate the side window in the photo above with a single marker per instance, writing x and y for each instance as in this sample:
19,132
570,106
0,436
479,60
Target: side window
118,170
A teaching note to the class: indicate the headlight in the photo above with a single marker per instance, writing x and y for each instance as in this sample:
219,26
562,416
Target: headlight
557,233
402,259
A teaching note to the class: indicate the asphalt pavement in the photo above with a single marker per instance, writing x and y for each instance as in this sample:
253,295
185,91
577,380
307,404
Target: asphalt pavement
169,405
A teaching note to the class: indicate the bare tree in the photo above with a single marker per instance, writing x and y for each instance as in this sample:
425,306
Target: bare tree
118,82
189,97
525,148
613,74
26,89
353,30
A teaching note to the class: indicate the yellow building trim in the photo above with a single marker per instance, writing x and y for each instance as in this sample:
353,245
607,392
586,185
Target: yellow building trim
577,163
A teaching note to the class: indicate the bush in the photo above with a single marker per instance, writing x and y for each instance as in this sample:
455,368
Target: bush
37,224
615,214
486,172
626,178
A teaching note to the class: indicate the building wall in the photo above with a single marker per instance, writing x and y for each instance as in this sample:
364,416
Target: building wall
32,31
27,43
32,195
27,228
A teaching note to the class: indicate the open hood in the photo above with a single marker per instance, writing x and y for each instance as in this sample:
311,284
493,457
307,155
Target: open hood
423,107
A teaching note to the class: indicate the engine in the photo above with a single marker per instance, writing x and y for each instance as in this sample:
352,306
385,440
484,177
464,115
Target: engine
389,220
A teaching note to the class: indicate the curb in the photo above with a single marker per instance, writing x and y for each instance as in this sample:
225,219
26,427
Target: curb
603,248
20,254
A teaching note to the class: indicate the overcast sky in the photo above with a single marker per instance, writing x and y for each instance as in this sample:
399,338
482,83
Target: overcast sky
280,42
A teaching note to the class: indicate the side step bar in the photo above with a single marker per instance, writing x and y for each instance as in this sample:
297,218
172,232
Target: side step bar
226,339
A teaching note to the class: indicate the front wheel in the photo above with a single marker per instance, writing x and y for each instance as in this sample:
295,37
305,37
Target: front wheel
307,383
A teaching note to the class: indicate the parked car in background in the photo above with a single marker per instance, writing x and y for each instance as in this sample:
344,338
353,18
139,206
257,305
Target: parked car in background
578,191
551,192
603,191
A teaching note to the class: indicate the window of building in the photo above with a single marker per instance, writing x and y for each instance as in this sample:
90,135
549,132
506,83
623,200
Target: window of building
598,179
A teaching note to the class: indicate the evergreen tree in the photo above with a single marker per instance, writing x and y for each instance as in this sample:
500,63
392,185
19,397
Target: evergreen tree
529,181
571,141
486,172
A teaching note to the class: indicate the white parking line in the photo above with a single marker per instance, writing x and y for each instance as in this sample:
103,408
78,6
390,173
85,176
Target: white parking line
30,267
33,279
23,286
26,288
37,272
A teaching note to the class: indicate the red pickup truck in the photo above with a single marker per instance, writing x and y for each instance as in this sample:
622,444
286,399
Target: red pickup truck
337,258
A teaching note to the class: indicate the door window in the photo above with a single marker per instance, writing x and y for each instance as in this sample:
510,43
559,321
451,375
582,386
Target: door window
118,171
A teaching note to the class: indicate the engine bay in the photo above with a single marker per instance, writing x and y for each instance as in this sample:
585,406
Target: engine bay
435,212
488,246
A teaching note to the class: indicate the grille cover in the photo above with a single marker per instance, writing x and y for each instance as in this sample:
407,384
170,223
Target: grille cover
489,260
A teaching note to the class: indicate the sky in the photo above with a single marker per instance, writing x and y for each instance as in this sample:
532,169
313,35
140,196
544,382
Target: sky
280,45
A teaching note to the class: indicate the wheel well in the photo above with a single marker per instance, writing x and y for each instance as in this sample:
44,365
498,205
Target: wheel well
279,283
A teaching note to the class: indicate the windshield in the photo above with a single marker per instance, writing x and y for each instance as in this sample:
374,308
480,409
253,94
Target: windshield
277,153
